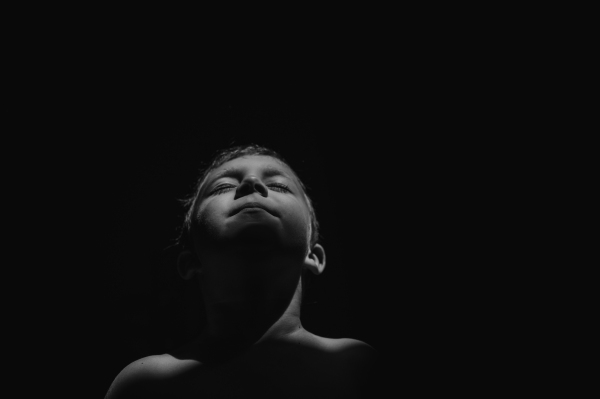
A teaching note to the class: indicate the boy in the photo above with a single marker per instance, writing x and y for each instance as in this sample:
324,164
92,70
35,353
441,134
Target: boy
249,235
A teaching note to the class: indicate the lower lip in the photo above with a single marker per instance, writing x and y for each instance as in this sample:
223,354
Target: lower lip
246,210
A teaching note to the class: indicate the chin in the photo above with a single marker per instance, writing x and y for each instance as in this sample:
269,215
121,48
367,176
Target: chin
259,234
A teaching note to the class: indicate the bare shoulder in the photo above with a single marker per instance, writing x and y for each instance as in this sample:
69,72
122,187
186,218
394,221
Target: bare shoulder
355,364
147,377
349,352
348,346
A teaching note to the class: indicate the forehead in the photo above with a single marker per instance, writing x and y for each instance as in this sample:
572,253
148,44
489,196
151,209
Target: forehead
254,164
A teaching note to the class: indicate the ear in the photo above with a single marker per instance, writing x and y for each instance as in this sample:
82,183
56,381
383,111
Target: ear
188,265
315,260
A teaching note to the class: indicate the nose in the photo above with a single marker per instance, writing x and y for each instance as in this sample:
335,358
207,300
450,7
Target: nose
250,185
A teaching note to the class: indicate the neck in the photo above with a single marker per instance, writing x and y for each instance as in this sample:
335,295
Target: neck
236,326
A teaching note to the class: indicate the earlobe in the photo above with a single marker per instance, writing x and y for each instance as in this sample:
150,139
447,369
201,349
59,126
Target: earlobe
188,265
315,260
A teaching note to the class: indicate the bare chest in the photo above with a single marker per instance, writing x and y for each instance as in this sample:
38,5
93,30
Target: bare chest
283,375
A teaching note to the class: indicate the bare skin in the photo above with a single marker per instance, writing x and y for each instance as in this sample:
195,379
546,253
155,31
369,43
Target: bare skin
248,263
301,366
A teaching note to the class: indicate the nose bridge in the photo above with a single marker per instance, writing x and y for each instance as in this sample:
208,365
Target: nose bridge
251,179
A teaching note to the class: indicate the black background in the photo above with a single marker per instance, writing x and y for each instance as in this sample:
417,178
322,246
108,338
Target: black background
433,144
409,178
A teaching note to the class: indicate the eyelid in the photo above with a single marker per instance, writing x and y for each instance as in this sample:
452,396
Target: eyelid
280,185
221,187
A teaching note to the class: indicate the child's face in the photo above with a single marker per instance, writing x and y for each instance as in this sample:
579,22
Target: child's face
279,219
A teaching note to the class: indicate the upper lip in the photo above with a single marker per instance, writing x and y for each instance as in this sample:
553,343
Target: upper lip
252,204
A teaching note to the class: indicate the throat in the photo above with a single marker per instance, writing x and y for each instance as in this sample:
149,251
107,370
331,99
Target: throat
238,326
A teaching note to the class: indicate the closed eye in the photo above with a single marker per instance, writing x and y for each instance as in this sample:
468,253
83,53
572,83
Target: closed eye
222,189
280,187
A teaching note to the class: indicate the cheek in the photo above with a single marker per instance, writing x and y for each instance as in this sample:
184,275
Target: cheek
297,224
209,218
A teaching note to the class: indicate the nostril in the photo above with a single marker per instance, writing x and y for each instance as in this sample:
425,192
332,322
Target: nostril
250,185
262,190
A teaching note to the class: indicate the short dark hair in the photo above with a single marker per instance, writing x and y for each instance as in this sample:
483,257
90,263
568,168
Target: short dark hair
219,159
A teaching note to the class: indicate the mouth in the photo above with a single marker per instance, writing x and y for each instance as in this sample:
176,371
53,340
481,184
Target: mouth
251,206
